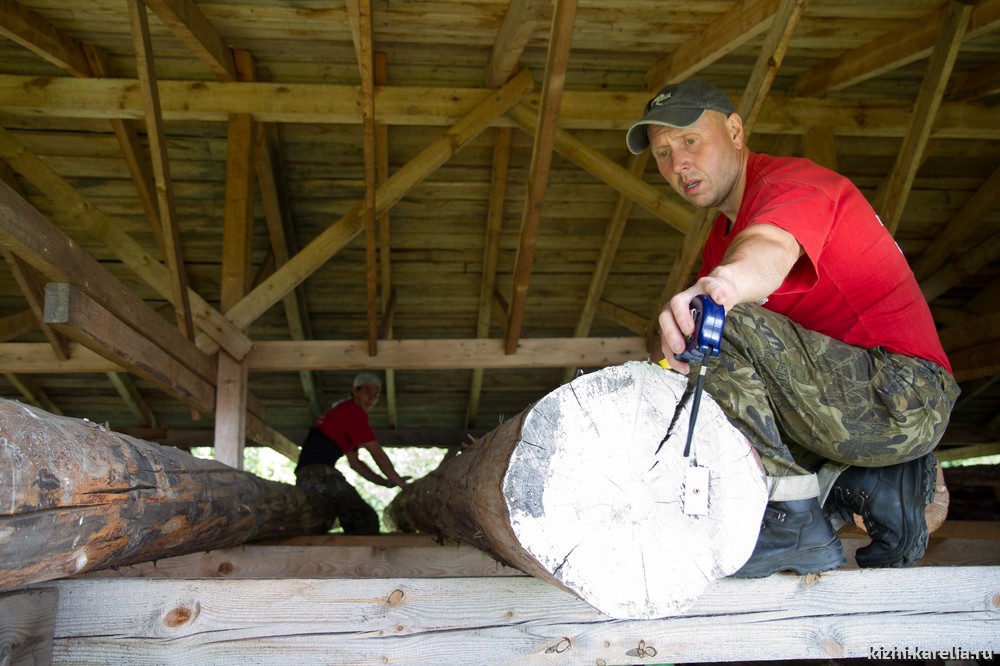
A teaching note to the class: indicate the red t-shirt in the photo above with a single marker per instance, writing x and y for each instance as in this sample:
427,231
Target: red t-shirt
853,282
346,423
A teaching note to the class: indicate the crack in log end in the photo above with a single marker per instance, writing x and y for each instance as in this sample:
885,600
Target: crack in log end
685,399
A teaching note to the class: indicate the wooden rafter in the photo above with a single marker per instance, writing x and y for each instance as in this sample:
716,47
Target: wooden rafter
617,177
173,253
188,24
491,250
522,19
739,25
556,63
385,246
106,230
908,44
900,179
360,12
338,234
961,225
39,36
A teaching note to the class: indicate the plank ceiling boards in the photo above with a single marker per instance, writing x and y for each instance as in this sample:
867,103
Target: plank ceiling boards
258,108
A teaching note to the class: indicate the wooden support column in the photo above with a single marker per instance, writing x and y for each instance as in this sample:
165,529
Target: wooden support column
81,497
586,489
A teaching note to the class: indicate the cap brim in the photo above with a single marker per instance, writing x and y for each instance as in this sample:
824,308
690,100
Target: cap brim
677,118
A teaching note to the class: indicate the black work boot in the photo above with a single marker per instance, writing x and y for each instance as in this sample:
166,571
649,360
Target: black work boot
891,501
794,536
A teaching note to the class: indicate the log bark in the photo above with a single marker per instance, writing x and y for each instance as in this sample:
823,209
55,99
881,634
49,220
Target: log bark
573,491
75,496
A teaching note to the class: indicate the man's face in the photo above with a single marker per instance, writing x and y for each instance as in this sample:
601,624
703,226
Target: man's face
702,162
367,396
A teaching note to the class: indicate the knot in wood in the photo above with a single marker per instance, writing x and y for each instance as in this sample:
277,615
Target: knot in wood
396,598
180,615
560,647
226,568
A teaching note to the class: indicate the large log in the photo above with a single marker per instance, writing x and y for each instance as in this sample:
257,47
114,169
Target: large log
574,491
75,496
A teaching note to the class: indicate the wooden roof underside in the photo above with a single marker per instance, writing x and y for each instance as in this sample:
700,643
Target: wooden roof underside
440,190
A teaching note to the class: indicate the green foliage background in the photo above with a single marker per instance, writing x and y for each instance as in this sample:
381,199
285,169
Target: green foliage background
413,462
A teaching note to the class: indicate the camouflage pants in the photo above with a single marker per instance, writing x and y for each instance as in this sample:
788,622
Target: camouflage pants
355,516
803,398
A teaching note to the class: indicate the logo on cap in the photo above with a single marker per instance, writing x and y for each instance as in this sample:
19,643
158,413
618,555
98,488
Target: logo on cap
660,99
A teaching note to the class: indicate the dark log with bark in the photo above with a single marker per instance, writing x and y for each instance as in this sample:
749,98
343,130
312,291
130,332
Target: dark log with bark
577,490
76,497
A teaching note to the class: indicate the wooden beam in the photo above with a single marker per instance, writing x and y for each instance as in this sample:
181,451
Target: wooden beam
293,355
959,267
337,235
360,13
32,393
28,234
609,248
624,317
108,232
34,33
408,106
769,59
964,222
596,163
283,355
742,23
84,320
173,254
890,51
17,324
900,179
129,393
188,24
975,85
499,173
520,620
820,146
556,64
231,384
522,19
385,246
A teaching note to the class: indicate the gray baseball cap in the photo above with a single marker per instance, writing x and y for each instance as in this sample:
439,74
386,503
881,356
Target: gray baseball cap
677,105
367,379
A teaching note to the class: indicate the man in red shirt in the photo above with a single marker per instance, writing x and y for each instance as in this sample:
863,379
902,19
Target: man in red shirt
344,430
831,364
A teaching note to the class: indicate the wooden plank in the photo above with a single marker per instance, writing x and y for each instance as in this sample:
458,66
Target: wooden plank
520,620
17,324
26,631
39,36
522,19
189,24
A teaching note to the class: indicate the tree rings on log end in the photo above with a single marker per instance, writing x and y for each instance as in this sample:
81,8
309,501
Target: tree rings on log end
593,502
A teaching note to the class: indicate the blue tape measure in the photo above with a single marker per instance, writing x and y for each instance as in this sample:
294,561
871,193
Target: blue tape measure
706,339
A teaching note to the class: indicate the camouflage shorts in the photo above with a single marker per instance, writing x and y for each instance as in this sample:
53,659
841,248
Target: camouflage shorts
355,516
803,398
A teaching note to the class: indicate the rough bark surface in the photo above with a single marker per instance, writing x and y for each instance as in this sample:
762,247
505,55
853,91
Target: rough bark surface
75,497
575,491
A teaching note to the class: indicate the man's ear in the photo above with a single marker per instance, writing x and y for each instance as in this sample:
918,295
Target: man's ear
734,123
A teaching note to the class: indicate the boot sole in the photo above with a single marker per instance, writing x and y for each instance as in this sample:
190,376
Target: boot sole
913,545
817,560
